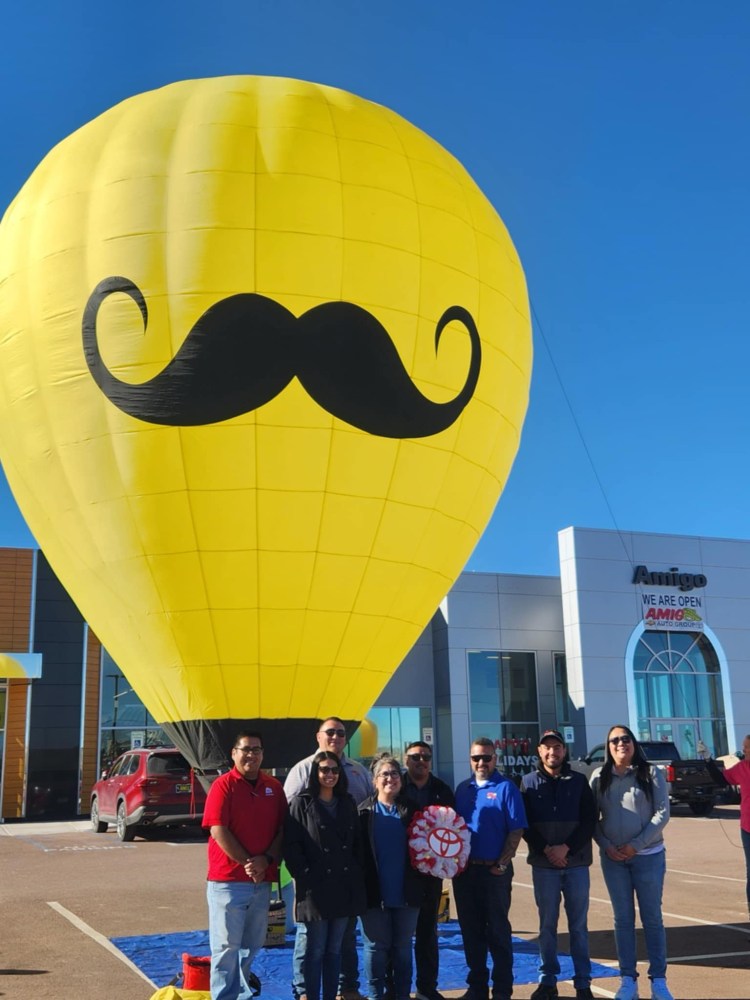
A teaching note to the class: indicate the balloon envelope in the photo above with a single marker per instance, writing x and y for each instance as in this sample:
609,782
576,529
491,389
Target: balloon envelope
264,360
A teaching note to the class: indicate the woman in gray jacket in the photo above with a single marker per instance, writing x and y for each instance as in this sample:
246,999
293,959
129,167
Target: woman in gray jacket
633,808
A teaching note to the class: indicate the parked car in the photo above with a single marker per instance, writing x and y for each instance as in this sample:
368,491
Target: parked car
688,781
150,786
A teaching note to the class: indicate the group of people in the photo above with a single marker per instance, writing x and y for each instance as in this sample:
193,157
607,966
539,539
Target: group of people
343,833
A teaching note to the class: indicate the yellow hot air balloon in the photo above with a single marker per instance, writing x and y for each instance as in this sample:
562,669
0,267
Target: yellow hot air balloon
264,361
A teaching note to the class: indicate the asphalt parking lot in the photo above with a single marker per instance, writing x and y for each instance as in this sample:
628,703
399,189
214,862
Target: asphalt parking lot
66,891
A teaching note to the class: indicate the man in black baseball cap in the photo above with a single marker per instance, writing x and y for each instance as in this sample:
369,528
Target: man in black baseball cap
561,815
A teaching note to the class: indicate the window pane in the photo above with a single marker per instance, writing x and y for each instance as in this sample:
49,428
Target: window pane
562,699
390,730
655,641
517,749
642,656
117,741
484,687
121,706
518,682
703,657
685,696
708,695
681,642
660,696
174,763
715,737
641,695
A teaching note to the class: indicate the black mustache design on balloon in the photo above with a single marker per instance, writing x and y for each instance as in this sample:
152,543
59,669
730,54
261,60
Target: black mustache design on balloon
247,348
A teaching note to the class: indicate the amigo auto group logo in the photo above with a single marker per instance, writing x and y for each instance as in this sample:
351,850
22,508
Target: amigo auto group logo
673,612
673,616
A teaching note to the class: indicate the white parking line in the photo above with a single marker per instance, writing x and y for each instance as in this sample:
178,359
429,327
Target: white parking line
674,916
724,878
99,938
700,958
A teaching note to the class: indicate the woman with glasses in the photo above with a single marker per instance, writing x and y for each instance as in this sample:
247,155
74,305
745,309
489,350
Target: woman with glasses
633,809
395,891
322,848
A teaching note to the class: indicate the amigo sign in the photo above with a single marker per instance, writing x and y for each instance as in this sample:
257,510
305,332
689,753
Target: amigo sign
669,578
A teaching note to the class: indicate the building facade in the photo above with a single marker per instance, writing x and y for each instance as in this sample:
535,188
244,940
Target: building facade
647,629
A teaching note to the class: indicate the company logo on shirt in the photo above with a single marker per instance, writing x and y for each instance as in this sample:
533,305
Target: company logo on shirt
269,791
491,795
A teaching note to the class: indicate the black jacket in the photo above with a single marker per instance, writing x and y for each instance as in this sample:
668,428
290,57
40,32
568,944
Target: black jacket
324,855
416,885
559,811
438,792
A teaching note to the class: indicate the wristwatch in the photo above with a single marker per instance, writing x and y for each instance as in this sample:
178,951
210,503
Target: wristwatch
268,858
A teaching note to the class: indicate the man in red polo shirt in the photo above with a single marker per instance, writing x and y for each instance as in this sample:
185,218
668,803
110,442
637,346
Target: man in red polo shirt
244,811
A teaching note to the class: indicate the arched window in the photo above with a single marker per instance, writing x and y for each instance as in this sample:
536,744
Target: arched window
679,692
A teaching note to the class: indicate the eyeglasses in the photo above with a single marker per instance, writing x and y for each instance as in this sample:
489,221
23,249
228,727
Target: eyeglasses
485,758
250,750
328,770
620,739
330,733
426,757
389,775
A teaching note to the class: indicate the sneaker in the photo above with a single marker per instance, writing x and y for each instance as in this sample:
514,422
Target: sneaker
544,992
660,990
628,989
428,995
350,995
584,993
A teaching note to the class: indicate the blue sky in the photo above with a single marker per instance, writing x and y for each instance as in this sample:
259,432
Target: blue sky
613,139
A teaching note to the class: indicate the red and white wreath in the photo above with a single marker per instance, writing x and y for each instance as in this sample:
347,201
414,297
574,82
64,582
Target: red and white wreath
439,842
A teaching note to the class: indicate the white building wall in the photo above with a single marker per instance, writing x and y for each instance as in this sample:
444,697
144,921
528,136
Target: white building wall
509,613
602,607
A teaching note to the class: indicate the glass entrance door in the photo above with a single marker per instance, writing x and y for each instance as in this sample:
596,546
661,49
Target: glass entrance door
684,733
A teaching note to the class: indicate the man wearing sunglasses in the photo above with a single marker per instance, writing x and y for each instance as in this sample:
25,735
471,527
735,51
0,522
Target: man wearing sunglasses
561,812
493,809
331,735
424,789
244,812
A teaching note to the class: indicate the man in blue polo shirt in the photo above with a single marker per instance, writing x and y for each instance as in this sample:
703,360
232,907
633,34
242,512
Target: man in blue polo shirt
493,809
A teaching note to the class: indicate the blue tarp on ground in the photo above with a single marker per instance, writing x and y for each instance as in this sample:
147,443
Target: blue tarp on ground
159,956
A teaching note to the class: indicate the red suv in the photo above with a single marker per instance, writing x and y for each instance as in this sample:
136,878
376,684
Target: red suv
153,786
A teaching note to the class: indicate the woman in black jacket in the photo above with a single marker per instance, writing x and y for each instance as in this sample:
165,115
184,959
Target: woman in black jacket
323,852
395,891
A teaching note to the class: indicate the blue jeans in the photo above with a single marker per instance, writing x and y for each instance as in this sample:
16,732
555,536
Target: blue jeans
237,927
483,904
322,959
349,974
746,845
642,876
573,885
387,933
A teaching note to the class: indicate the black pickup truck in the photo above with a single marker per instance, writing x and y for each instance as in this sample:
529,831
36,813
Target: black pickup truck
688,781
